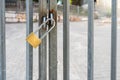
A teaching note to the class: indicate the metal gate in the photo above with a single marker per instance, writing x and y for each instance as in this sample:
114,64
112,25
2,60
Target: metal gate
45,9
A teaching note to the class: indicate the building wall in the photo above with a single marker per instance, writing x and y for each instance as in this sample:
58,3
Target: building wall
105,5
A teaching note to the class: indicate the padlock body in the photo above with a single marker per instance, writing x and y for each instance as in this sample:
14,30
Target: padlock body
33,40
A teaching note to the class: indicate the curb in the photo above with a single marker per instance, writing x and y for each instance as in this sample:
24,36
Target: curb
18,17
12,17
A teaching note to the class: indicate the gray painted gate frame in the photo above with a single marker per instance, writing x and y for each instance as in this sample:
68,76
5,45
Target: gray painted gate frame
29,49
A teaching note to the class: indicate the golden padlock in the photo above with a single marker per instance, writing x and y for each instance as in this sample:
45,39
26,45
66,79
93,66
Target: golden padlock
33,40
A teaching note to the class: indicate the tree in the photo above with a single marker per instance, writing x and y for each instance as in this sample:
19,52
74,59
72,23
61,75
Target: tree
71,1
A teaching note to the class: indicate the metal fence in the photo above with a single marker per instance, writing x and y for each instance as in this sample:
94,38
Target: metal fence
9,3
15,5
45,8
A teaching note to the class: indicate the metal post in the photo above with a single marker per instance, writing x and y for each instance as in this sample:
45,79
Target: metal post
53,42
29,49
66,40
85,2
43,47
78,10
2,41
114,40
90,40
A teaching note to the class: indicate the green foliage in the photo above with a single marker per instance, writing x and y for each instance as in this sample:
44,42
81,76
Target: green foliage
71,1
108,13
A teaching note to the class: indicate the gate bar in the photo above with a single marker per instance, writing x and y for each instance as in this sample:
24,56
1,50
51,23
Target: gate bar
90,40
2,41
29,49
53,42
66,70
114,40
43,47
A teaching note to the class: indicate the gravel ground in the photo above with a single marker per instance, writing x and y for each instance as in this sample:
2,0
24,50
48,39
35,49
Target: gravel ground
16,51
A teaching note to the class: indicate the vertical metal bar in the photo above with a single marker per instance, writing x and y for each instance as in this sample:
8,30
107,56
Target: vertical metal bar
2,41
53,43
90,40
66,40
29,49
114,40
85,1
43,46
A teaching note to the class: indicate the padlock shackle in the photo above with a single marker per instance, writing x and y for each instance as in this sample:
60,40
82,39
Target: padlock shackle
49,19
48,30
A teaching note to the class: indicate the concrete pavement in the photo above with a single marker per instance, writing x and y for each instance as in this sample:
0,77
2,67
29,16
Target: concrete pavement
16,51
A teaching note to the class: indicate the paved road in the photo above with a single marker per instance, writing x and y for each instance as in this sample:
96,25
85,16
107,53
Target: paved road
16,56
